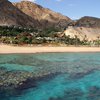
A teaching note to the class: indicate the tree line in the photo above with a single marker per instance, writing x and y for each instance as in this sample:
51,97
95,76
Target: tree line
20,35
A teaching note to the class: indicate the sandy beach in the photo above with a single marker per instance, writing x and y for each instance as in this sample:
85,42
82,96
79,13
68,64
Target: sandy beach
6,49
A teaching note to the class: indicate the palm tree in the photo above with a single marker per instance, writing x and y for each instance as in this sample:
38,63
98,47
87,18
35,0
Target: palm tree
76,40
85,40
98,40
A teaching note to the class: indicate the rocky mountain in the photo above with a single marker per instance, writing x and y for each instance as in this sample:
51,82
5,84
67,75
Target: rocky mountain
88,21
10,15
86,27
46,17
29,14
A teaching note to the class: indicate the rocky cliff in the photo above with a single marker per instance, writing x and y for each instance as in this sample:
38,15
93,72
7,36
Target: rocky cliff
86,27
10,15
46,17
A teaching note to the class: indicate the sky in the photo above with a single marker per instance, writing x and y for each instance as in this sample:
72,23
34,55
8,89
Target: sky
74,9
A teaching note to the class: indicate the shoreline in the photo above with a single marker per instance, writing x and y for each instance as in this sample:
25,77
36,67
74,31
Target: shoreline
8,49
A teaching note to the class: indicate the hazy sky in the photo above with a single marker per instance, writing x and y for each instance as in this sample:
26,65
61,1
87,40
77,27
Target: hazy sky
72,8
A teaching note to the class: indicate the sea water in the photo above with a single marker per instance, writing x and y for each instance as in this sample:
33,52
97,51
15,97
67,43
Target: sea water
78,78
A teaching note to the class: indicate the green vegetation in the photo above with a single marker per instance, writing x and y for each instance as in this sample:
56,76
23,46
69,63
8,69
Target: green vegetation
21,36
14,31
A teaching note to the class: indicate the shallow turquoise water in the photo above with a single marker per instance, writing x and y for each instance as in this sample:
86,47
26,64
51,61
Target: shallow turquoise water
78,78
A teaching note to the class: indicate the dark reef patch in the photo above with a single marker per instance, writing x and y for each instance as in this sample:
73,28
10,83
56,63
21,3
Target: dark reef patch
14,83
81,74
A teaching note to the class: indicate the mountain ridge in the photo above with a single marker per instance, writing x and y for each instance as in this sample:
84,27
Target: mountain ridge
88,21
45,16
10,15
86,27
29,14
